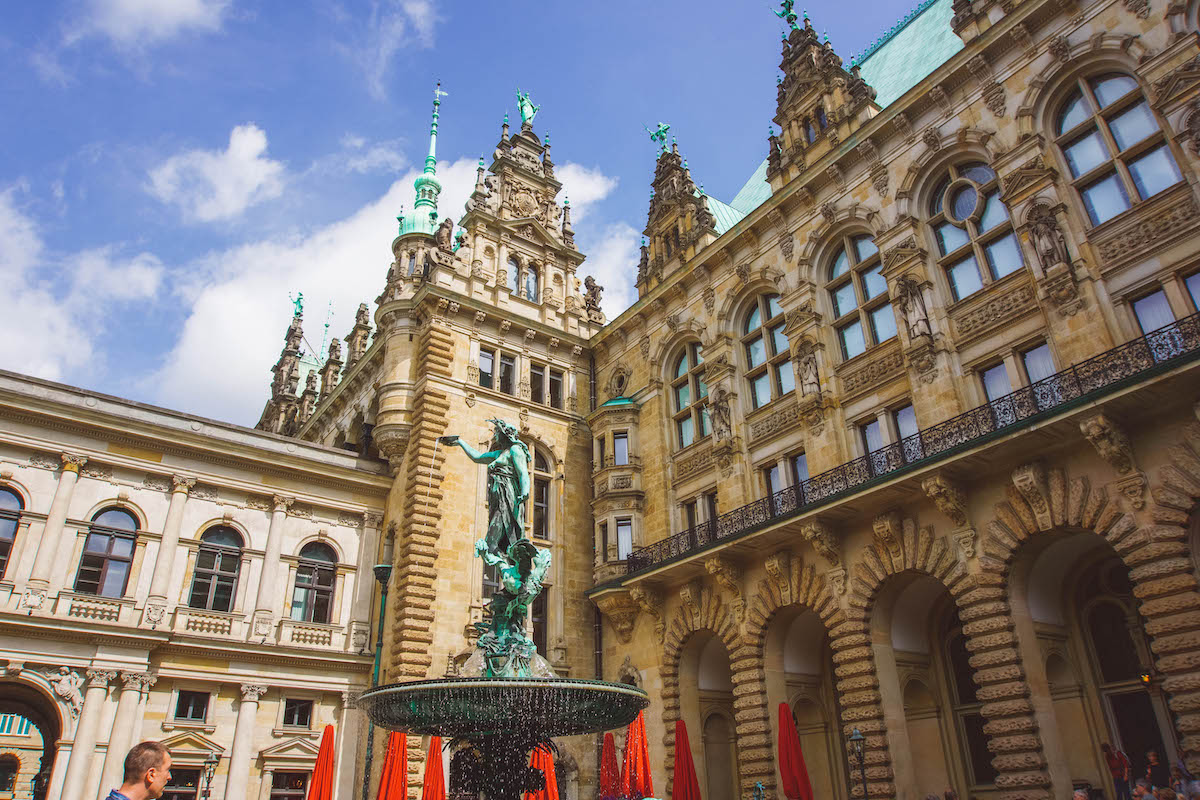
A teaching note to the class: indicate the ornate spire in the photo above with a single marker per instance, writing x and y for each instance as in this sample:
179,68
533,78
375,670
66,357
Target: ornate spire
427,185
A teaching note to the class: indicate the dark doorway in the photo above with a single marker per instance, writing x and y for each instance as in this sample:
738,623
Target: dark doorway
1136,728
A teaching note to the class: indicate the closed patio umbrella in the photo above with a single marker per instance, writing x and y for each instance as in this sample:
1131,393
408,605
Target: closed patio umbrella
686,784
541,758
321,785
393,778
434,787
635,773
610,777
792,769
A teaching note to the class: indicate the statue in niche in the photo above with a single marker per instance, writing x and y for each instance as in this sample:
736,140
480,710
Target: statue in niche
1047,237
443,237
912,304
810,382
591,300
722,416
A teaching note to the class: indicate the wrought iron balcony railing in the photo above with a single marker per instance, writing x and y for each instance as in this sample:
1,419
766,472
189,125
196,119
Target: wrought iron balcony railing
1159,349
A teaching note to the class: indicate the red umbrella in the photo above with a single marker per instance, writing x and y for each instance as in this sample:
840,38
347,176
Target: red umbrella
393,779
434,787
609,776
635,774
792,769
687,786
541,758
321,785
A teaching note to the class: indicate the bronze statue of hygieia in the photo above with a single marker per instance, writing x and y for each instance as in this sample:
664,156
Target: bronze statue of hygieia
520,565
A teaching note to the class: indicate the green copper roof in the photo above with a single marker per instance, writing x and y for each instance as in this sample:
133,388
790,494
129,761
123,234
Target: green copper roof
915,47
755,192
726,216
619,401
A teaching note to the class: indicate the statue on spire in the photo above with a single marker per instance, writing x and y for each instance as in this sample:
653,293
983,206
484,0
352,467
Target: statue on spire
528,109
660,134
787,12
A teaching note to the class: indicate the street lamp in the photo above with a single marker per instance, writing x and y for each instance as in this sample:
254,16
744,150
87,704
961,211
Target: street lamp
210,766
857,742
383,574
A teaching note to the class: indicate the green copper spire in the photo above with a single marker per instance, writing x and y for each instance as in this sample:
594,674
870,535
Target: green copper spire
424,216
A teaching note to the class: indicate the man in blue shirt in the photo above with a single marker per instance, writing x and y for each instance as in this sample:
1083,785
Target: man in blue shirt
147,772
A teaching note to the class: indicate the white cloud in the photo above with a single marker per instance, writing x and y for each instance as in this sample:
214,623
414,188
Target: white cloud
220,366
55,306
359,155
209,185
136,23
612,260
583,186
391,27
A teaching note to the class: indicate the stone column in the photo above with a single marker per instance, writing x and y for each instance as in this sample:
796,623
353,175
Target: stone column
364,583
241,752
84,745
160,584
348,727
267,605
47,555
124,728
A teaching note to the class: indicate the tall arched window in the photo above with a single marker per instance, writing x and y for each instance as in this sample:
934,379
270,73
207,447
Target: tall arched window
810,133
768,368
107,554
859,296
974,236
218,563
412,263
312,598
531,283
822,120
541,496
10,518
1113,145
514,275
689,396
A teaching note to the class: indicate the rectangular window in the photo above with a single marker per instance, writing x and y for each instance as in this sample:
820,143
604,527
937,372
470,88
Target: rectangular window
851,338
312,596
799,468
491,581
537,619
760,390
773,479
1153,311
508,373
687,431
872,436
906,421
184,785
14,725
104,567
537,383
710,506
541,508
556,388
883,323
996,383
289,786
689,515
1038,363
964,278
487,364
624,538
1193,286
621,449
192,706
297,713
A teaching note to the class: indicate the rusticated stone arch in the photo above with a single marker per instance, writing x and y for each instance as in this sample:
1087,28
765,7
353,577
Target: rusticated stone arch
899,547
790,583
701,609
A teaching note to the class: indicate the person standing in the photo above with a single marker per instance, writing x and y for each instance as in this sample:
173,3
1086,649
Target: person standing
1156,771
147,772
1120,768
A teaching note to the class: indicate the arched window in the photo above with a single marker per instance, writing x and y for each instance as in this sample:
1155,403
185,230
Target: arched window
218,563
541,496
107,554
1116,655
822,120
10,517
531,283
514,275
312,599
1113,145
689,396
768,369
810,134
412,263
974,236
859,296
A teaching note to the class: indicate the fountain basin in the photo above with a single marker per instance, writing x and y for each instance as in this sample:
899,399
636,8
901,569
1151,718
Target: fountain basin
524,709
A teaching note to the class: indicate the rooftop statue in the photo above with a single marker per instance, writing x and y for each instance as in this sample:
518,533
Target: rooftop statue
528,109
299,304
659,134
507,651
786,12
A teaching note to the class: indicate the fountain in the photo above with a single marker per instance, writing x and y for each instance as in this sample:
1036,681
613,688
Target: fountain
510,699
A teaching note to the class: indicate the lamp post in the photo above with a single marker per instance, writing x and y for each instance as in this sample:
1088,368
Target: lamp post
210,767
857,741
383,574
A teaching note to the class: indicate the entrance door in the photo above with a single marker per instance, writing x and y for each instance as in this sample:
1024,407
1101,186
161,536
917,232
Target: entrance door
1136,727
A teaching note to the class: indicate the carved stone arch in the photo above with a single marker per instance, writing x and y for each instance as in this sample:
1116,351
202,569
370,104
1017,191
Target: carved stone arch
326,540
222,522
19,489
736,304
122,503
702,611
669,347
1103,51
924,170
820,250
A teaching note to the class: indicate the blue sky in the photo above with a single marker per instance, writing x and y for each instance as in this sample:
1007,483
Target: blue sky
171,169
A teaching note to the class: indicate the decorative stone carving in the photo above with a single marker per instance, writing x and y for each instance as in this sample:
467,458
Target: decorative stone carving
888,530
875,372
694,464
829,212
156,483
252,692
621,612
823,541
932,139
948,498
787,246
778,568
965,539
651,602
1060,48
722,416
1146,233
1030,480
1139,7
997,310
1047,237
779,420
912,305
689,596
1133,487
66,684
806,361
43,461
1110,442
729,577
836,580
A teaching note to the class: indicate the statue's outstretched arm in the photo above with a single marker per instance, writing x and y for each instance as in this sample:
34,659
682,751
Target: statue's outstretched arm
472,453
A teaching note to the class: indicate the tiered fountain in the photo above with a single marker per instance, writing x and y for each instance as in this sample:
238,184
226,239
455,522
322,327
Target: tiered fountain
510,700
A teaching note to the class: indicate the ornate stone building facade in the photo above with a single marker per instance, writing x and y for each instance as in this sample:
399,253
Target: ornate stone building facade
872,443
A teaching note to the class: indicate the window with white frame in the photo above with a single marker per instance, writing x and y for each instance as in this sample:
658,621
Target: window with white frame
312,596
107,554
11,506
768,365
972,230
624,538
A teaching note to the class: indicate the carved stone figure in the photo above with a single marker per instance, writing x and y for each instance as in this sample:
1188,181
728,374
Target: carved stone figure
66,685
810,381
591,300
528,109
912,304
1047,238
363,315
444,235
722,417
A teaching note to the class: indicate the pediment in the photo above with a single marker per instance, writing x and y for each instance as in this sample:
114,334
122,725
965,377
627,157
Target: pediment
531,229
191,742
299,747
1177,82
1028,178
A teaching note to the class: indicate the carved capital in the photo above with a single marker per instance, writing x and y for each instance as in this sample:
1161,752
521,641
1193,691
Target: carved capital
182,483
252,692
689,595
72,462
823,541
729,577
100,677
138,681
965,539
282,503
948,498
1030,480
888,530
836,580
1133,488
778,566
1110,442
